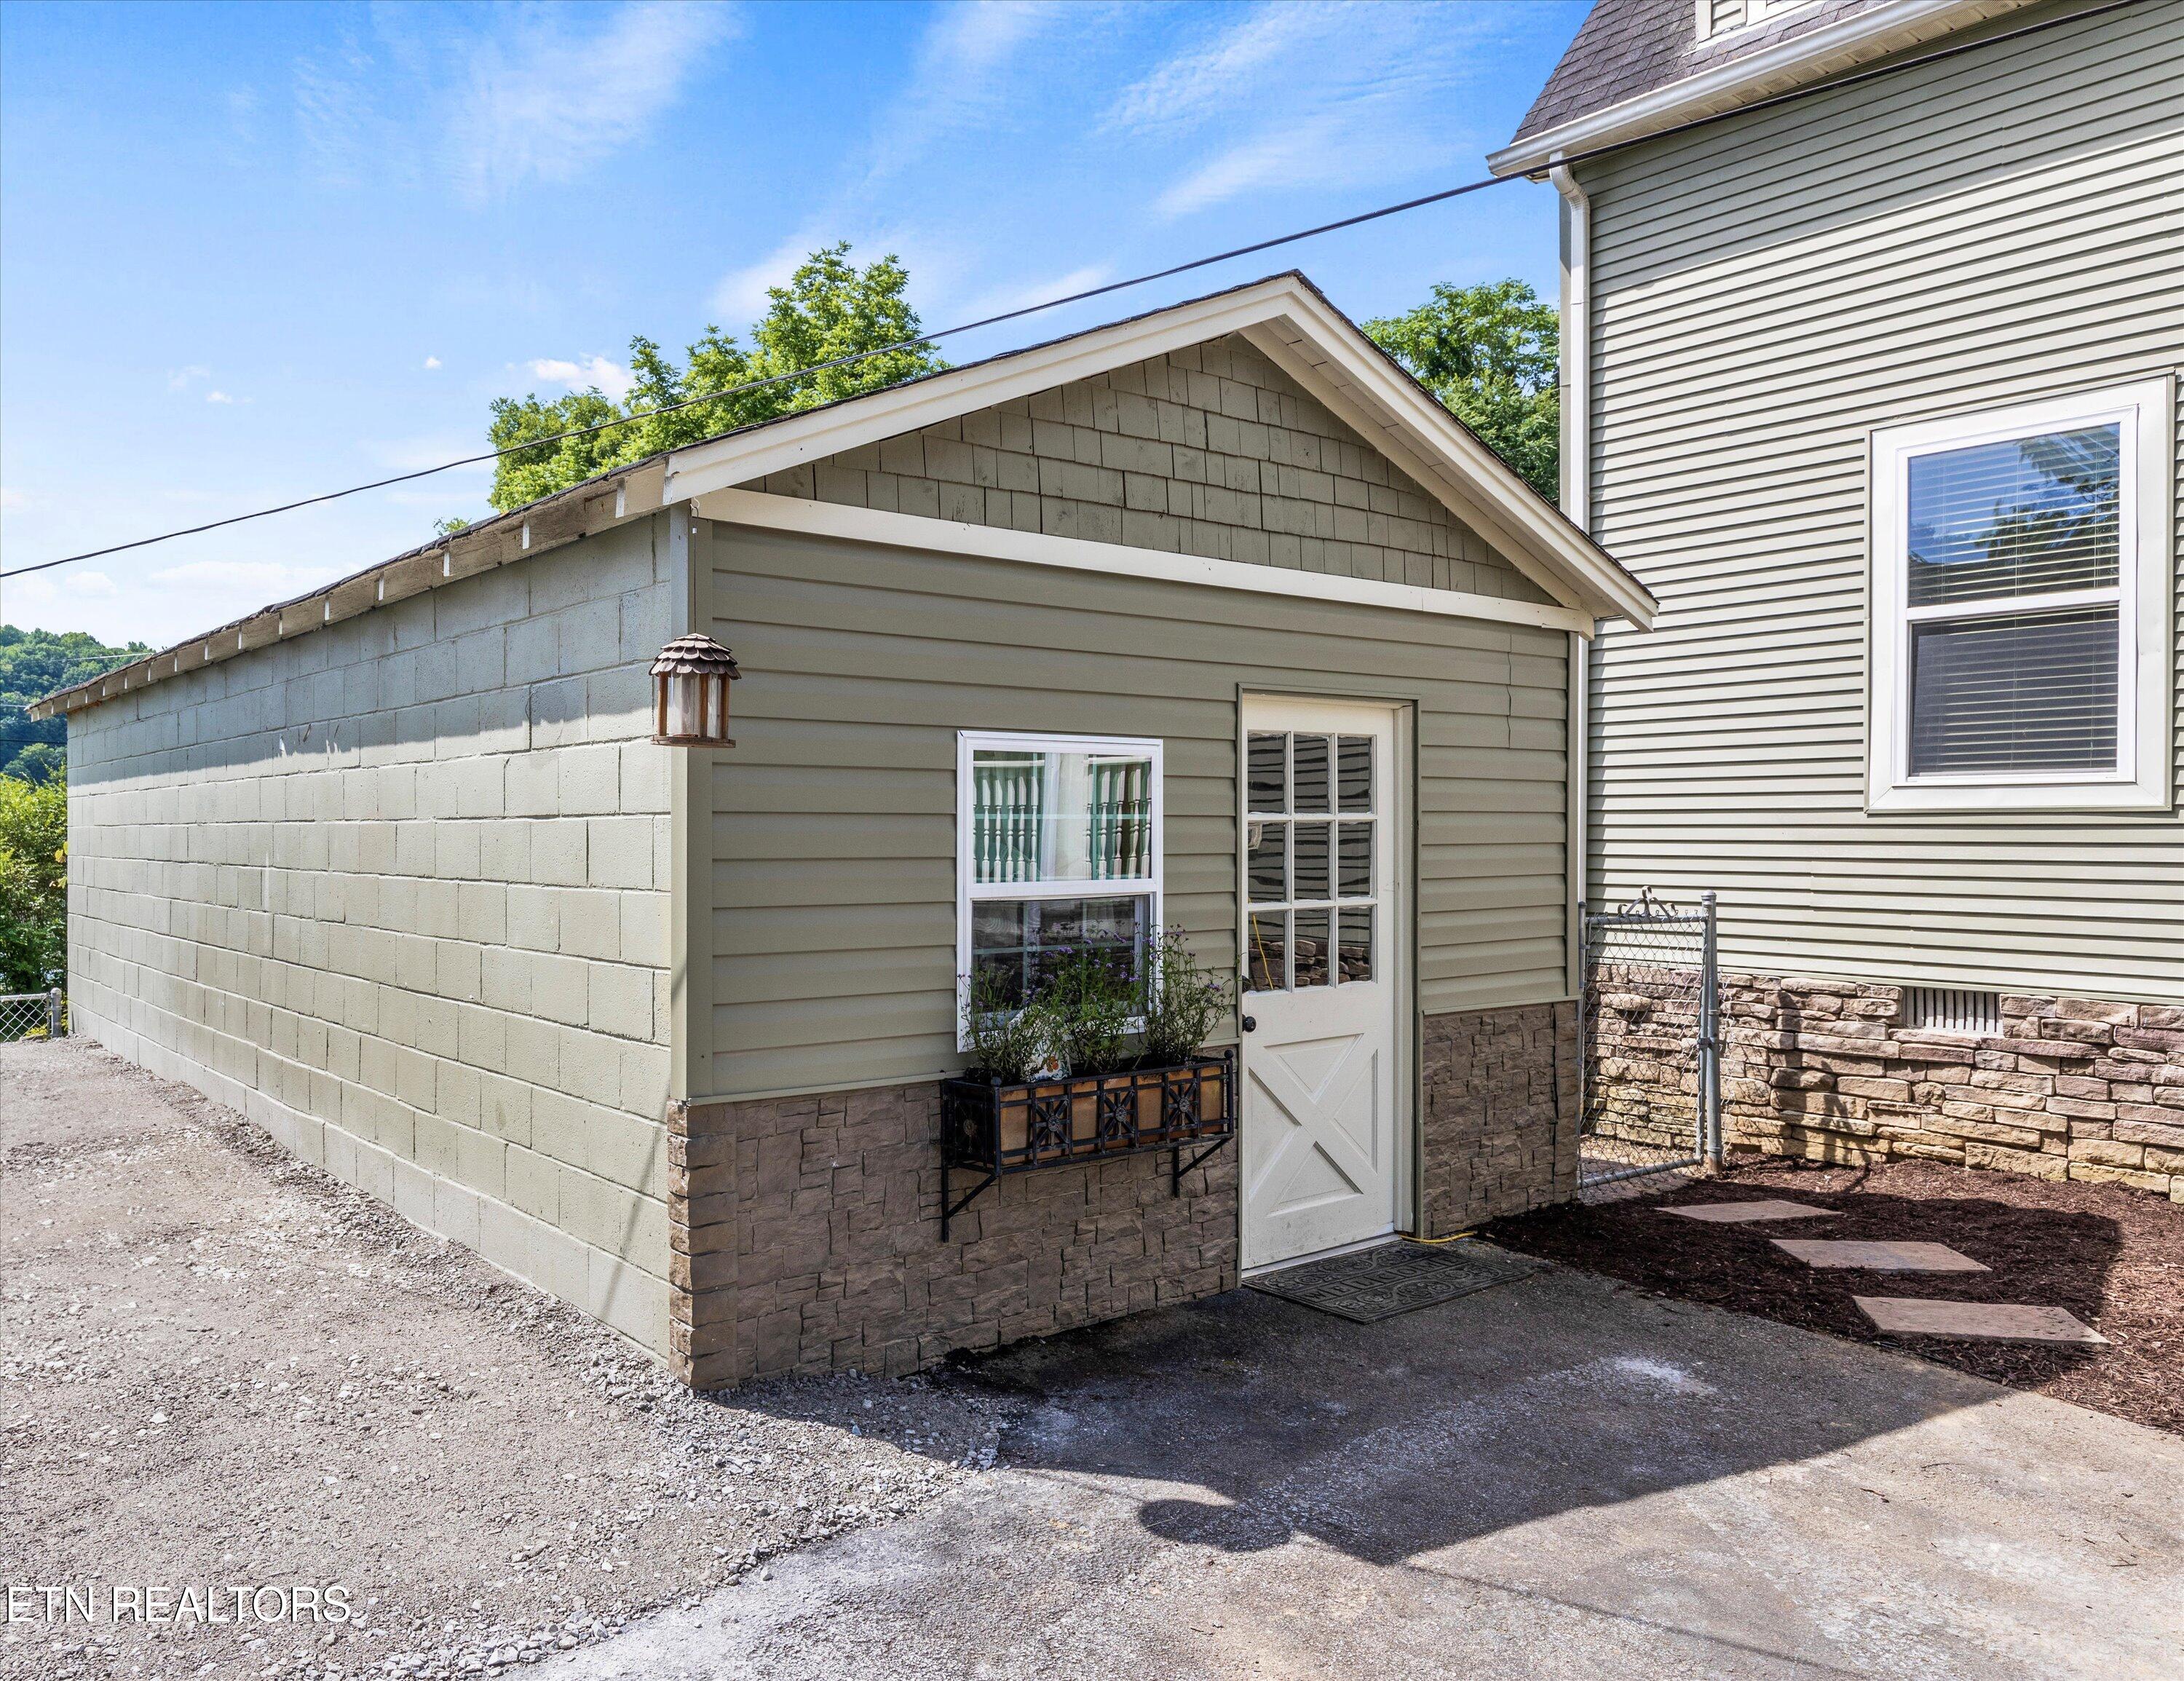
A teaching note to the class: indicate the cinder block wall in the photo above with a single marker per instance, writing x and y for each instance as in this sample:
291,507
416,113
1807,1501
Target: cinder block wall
398,890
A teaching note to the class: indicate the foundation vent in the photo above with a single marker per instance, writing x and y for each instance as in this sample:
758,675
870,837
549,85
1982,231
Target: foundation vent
1946,1009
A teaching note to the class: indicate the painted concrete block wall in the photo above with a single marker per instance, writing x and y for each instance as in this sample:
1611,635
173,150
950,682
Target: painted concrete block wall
398,890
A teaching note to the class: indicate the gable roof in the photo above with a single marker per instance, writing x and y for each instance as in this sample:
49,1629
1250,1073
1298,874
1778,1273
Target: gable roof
1639,66
1285,317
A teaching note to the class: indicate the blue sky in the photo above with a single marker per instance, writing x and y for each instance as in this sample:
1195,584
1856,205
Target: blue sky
252,253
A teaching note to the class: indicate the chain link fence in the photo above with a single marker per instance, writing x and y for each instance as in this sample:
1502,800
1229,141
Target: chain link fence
32,1016
1651,1014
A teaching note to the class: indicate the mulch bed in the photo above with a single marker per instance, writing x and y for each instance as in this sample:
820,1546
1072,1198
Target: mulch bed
2112,1255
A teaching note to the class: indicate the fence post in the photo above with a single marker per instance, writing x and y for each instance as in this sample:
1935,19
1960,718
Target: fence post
1710,1041
54,1017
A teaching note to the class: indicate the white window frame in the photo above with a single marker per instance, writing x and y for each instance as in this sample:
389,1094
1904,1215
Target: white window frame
969,891
1756,12
2145,412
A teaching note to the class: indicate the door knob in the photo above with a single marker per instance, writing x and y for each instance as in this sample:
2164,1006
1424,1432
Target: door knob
1250,1024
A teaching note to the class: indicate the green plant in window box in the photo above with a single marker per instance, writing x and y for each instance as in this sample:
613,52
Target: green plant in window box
1009,1044
1182,1002
1091,998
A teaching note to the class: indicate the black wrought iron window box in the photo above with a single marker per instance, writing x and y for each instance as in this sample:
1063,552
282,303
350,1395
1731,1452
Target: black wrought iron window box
996,1130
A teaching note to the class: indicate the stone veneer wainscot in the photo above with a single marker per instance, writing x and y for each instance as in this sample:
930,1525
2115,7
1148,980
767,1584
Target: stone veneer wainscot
2070,1088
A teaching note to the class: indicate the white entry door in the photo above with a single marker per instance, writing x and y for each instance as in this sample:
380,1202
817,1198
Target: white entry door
1320,978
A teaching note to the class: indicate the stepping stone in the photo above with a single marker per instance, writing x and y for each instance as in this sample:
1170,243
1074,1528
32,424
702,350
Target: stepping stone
2000,1322
1729,1213
1880,1257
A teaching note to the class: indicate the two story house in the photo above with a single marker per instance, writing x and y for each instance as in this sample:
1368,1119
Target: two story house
1874,311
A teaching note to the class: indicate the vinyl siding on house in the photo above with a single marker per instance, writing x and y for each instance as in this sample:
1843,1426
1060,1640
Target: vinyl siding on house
1999,228
834,825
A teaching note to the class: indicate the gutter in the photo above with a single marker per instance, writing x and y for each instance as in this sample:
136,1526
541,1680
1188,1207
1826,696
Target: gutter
1577,506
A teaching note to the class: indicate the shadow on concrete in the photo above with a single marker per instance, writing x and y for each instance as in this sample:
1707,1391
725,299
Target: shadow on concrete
1391,1440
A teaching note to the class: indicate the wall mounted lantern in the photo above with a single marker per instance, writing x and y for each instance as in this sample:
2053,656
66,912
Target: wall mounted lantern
690,683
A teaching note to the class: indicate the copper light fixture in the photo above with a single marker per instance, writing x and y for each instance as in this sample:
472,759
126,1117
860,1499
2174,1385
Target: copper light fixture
690,683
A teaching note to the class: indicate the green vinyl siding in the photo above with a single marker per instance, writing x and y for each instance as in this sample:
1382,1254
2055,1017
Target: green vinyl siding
1999,228
834,825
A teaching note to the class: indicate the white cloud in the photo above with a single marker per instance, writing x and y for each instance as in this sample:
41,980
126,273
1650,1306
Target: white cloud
1002,299
431,361
610,377
740,297
179,379
57,589
218,397
1311,96
960,75
1205,75
269,578
546,102
12,498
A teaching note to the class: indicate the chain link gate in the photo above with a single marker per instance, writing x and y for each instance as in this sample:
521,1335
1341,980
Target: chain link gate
32,1016
1651,1020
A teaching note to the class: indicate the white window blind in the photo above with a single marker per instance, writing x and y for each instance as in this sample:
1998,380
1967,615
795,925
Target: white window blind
2017,579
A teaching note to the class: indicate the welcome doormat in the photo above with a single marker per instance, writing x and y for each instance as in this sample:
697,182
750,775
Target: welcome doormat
1379,1283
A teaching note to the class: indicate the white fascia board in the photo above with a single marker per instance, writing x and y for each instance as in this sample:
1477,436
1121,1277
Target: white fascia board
1839,45
765,511
1309,339
1394,413
723,463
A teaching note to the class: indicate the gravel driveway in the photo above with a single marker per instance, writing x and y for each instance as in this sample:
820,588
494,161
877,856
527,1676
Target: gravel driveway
220,1368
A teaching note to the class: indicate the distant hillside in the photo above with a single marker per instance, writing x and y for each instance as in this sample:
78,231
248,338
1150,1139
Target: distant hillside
33,664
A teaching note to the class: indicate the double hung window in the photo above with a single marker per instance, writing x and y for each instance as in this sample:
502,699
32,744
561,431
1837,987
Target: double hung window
2021,605
1058,850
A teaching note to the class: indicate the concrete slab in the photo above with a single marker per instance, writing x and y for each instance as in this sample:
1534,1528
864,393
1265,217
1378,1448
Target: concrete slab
1735,1213
1880,1257
2002,1322
1555,1480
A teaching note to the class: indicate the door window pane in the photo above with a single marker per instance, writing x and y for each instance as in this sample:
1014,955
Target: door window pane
1355,951
1060,817
1356,860
1269,773
1309,773
1311,862
1312,947
2023,691
2019,518
1269,955
1269,862
1354,772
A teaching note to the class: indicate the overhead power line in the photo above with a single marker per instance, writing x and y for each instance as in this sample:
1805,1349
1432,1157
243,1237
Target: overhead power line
923,339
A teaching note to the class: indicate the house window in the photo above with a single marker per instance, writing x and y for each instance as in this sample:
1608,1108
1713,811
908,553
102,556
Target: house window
1058,850
2020,607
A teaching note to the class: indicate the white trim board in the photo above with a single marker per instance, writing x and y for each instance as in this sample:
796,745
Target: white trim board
1312,341
768,512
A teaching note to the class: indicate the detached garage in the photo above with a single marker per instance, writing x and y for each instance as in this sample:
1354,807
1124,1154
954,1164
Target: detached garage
1210,621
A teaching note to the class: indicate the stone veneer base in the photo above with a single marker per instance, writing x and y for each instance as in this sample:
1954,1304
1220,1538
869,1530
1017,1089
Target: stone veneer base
805,1231
1824,1071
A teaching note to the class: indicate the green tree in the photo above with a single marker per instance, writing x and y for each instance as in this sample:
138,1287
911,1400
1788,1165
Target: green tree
829,309
33,664
1490,354
33,883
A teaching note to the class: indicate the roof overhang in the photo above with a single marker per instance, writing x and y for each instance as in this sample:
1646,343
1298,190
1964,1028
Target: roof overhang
1893,26
1288,320
1285,317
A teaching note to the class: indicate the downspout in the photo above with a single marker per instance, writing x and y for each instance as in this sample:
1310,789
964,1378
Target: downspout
1576,503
